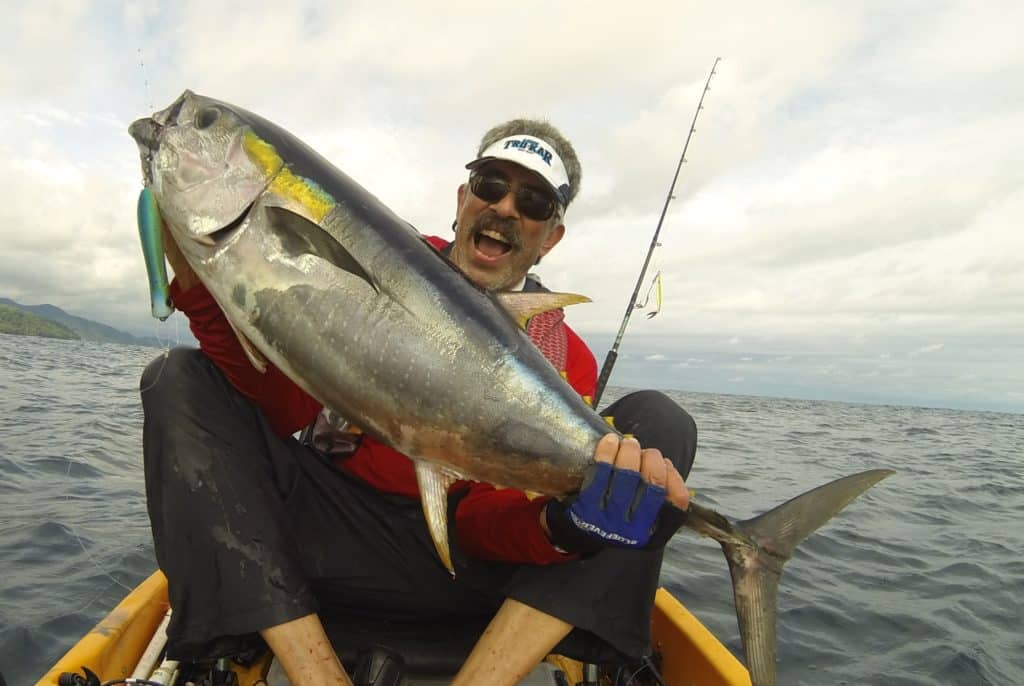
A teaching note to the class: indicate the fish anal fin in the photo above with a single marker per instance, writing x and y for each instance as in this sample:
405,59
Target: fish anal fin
434,482
523,305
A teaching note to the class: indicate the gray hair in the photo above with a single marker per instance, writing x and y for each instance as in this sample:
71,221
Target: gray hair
539,128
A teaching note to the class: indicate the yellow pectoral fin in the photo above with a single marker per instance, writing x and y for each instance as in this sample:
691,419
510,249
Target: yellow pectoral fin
522,305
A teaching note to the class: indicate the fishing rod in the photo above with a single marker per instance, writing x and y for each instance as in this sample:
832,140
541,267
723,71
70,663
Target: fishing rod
613,354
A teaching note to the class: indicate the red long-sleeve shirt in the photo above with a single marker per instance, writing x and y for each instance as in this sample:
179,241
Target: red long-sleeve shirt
491,524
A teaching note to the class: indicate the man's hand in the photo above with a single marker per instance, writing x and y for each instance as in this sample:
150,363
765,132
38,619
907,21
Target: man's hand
631,497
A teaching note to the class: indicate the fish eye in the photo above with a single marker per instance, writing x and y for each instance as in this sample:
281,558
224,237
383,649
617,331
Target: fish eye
206,117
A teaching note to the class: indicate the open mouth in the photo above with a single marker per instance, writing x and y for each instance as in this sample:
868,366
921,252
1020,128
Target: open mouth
492,244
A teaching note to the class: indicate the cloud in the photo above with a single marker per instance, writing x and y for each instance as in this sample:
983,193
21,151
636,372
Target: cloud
935,347
853,187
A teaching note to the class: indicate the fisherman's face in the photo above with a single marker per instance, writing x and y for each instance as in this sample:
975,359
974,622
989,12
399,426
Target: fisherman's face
495,244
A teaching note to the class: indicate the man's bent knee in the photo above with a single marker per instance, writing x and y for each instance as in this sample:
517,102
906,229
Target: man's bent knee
176,363
186,401
657,421
181,378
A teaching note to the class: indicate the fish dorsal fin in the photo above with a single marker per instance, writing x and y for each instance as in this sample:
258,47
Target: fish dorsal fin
254,355
434,482
300,236
523,305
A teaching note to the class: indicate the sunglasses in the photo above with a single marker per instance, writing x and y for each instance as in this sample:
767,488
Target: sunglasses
531,203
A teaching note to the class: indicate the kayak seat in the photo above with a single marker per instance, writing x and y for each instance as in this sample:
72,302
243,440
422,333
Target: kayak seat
426,647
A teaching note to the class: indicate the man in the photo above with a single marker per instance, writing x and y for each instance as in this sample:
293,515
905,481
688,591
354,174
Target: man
257,532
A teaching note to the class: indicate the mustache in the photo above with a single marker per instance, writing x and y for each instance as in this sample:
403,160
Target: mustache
502,225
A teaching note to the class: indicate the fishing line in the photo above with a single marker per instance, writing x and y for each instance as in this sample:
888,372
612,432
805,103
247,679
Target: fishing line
67,474
74,532
81,544
165,345
67,479
149,98
159,372
145,80
613,354
67,496
89,604
165,353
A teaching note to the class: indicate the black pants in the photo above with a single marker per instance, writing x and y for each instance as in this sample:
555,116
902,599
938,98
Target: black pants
253,530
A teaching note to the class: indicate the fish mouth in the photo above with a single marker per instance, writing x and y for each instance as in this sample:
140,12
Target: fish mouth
146,132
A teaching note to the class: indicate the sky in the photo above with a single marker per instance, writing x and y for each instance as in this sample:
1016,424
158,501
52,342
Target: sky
847,225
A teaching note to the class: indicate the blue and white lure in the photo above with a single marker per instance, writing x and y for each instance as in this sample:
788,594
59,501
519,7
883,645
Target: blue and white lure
151,235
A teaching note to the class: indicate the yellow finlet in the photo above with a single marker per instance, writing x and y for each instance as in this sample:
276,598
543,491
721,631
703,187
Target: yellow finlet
522,305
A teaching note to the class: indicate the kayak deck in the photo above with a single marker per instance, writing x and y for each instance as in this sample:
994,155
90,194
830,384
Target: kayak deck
690,654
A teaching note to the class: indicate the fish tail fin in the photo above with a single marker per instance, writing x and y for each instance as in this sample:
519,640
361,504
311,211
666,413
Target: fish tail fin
756,594
761,546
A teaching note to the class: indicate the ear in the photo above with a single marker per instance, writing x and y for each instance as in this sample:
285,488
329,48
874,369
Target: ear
552,240
460,195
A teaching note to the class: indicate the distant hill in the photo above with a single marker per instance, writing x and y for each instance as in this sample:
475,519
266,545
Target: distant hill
15,321
82,328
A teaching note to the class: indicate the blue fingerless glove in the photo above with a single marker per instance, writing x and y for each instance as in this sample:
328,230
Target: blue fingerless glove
614,507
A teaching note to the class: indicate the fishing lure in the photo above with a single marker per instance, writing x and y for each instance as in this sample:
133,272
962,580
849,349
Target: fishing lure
655,287
151,235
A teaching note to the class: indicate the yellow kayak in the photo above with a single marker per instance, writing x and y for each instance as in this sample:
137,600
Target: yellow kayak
689,654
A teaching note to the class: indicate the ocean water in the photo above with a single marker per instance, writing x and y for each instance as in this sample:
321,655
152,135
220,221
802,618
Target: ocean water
919,582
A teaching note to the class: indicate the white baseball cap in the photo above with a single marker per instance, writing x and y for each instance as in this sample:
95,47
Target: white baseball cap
534,154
